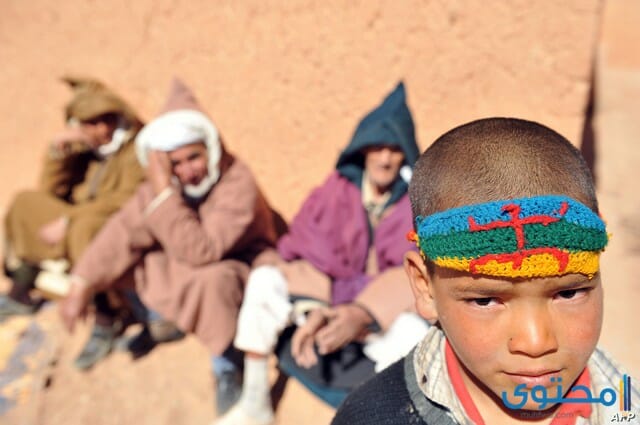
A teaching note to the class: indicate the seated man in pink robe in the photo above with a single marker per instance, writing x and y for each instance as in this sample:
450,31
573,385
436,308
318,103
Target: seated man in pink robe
343,256
189,235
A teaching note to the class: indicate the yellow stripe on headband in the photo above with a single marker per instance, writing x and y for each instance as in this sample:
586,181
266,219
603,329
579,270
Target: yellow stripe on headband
536,265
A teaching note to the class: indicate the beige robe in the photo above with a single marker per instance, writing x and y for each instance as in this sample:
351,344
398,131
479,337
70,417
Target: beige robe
81,187
190,264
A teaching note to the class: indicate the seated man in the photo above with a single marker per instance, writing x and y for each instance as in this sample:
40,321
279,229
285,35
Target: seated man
344,249
89,172
189,234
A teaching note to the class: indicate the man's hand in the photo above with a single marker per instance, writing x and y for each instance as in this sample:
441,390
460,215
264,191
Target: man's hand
346,323
63,141
54,231
74,305
159,170
303,340
329,329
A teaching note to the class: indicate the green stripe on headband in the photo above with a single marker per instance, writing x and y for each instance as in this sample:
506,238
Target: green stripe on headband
567,236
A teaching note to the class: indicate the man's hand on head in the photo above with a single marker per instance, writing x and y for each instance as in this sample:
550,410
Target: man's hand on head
159,170
63,141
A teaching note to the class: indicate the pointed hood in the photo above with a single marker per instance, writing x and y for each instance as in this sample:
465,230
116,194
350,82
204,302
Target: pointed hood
390,123
181,121
91,99
180,97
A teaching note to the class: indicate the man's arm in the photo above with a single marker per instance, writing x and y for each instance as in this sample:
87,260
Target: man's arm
109,255
108,202
60,174
65,162
386,296
207,235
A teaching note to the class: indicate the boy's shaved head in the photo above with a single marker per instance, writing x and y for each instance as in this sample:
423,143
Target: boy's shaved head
498,158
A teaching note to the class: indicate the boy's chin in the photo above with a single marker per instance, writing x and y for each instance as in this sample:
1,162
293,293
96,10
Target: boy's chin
533,406
538,403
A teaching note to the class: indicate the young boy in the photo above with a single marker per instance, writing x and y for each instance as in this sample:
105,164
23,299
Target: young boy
506,219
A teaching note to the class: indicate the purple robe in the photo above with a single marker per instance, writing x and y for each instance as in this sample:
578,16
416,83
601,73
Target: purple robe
331,231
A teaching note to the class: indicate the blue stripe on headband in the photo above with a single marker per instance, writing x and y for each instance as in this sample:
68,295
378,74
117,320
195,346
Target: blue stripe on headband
457,219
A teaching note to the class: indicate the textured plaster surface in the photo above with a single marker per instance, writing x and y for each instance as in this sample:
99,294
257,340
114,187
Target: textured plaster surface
286,82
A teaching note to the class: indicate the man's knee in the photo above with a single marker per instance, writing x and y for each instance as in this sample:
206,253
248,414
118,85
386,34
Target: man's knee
23,205
266,298
265,311
28,212
222,280
28,199
264,284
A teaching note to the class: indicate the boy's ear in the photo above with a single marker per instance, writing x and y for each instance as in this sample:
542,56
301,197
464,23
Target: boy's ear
421,285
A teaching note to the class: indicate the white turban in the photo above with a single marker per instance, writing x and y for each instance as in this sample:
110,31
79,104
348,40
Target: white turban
177,128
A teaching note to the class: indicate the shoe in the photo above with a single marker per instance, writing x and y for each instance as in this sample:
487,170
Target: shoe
137,345
238,416
60,265
53,285
153,333
228,390
10,307
98,347
164,331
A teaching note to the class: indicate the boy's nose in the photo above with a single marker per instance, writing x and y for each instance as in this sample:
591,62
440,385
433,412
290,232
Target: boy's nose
532,333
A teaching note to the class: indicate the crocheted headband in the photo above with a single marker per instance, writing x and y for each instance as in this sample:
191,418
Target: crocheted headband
528,237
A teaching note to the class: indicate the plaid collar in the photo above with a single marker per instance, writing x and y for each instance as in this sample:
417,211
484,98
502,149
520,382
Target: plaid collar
434,381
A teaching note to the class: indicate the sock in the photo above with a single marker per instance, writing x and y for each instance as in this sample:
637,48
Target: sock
256,397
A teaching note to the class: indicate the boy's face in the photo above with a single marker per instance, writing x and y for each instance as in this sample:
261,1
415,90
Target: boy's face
507,332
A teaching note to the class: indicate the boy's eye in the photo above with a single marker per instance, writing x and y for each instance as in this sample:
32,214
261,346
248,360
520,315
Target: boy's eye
482,302
568,294
572,293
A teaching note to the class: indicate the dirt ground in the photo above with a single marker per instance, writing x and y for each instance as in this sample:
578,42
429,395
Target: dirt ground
172,384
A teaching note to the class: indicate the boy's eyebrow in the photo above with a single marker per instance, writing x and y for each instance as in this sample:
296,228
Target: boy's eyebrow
483,288
495,288
572,284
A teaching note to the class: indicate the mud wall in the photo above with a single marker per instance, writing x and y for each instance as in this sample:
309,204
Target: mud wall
286,82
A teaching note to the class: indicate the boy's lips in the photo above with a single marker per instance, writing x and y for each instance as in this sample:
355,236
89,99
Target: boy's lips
532,378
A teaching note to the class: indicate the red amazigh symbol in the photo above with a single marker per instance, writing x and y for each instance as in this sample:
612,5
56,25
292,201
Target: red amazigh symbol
518,224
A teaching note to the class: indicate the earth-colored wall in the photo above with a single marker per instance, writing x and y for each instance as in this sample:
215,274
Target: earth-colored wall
286,85
287,81
617,127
